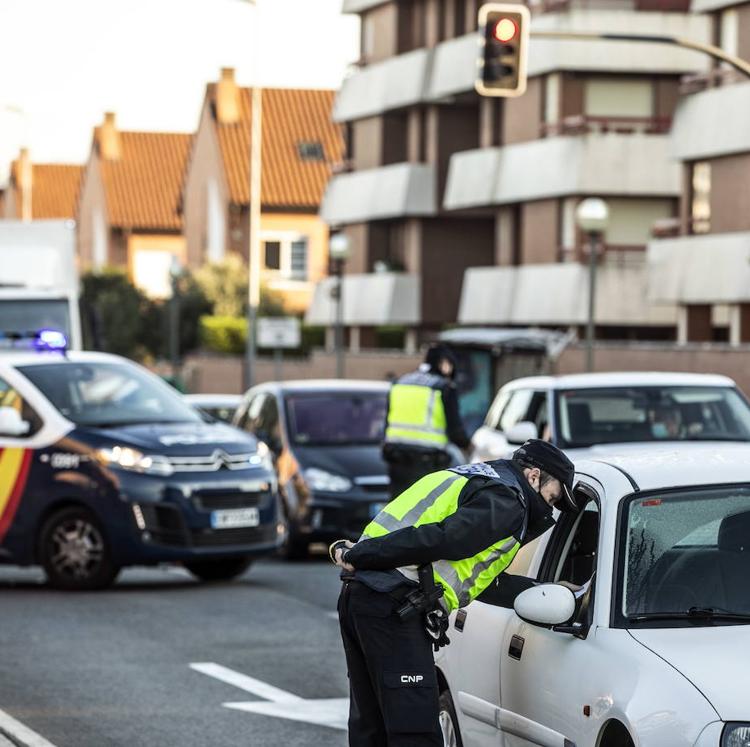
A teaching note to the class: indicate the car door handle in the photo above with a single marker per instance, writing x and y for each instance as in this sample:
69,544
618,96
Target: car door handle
515,650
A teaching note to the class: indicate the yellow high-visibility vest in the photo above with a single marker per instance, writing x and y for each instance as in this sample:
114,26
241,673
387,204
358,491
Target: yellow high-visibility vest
416,415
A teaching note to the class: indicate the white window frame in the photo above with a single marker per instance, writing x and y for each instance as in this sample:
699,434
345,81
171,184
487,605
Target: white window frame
286,239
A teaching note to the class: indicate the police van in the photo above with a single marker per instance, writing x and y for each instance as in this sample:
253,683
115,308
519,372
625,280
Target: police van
103,465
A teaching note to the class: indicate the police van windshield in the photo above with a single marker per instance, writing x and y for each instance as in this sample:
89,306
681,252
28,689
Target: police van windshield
25,316
336,418
588,417
108,394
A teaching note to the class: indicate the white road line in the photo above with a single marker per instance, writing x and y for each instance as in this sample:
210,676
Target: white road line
248,684
19,733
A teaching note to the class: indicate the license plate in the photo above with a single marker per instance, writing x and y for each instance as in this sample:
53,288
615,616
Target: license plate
375,509
235,518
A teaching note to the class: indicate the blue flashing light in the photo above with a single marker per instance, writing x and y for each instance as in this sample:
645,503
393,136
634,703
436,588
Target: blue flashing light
50,339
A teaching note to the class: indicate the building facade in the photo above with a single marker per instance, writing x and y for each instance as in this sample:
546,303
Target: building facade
444,184
129,213
704,267
301,146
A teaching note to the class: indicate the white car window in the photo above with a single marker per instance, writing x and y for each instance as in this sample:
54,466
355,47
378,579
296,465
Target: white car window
516,409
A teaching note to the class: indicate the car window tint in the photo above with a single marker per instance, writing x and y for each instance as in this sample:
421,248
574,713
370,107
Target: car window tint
516,409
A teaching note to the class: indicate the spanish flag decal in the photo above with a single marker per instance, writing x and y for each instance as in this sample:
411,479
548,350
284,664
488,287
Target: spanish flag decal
14,471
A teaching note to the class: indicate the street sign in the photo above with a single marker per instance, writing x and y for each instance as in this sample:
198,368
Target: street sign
279,332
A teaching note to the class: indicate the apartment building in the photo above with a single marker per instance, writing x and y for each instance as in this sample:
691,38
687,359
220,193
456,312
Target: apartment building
443,183
705,267
301,146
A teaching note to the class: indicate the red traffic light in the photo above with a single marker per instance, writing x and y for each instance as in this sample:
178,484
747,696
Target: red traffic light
506,29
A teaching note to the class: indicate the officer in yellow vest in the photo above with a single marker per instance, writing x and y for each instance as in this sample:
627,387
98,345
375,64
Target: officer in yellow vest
468,523
423,419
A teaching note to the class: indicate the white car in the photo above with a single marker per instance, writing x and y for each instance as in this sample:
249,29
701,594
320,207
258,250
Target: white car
591,414
657,651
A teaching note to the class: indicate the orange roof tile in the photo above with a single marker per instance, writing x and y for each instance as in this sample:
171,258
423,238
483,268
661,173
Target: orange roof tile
144,186
54,189
290,117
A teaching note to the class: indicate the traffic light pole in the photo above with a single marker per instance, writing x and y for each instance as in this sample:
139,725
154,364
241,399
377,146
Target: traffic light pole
717,53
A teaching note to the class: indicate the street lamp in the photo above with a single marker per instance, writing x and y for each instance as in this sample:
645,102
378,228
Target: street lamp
256,156
175,273
339,249
592,216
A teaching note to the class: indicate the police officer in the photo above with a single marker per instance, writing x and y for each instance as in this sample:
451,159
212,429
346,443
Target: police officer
423,418
468,523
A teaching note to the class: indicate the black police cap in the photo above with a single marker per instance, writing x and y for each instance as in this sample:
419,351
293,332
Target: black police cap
549,459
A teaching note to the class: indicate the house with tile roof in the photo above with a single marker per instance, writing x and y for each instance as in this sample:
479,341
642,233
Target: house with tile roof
41,191
130,204
301,146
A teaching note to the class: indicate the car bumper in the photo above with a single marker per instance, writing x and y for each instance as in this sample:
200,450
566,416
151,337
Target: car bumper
170,519
330,516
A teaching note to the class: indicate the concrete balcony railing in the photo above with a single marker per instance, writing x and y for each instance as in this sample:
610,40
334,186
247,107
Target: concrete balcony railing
610,164
397,191
720,76
663,6
581,124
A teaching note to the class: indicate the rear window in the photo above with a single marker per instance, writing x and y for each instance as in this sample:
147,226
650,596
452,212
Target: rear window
336,418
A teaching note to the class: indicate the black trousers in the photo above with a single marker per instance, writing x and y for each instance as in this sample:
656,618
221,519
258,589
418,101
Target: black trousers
392,677
408,468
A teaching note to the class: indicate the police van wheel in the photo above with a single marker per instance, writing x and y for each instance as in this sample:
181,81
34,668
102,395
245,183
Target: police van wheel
219,570
74,551
448,721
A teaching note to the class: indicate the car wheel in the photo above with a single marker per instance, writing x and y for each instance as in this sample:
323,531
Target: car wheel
75,552
219,570
448,721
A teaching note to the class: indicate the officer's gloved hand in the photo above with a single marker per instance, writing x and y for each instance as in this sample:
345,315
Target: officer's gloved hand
336,553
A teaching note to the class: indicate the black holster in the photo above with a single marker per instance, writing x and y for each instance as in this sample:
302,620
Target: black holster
425,600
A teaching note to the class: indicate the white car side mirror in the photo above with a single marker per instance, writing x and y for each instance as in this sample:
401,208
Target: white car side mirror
521,432
11,423
547,604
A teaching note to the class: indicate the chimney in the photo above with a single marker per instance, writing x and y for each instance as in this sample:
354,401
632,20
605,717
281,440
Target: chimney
227,98
109,139
24,174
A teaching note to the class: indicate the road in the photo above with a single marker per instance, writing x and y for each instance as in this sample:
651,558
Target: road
114,668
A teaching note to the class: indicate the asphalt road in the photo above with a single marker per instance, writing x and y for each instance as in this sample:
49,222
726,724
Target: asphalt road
113,668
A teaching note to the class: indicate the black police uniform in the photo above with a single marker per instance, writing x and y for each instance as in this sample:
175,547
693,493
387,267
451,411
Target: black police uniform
394,689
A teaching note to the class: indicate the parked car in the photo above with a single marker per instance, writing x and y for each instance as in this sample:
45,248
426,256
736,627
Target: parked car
218,406
596,413
655,651
103,465
326,437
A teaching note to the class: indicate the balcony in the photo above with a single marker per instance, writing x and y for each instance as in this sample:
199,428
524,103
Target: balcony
582,124
707,269
371,300
611,164
397,191
510,295
713,123
663,6
358,6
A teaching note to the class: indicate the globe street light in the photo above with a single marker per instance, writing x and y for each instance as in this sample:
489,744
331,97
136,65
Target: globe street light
339,250
592,216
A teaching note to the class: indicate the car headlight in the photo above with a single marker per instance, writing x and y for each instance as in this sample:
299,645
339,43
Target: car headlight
263,457
133,460
319,479
736,735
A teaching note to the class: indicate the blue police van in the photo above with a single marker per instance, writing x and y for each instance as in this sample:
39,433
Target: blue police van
103,465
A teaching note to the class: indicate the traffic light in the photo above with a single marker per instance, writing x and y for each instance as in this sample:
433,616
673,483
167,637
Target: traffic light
504,44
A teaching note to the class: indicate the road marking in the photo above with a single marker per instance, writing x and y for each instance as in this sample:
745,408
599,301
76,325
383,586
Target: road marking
20,734
330,712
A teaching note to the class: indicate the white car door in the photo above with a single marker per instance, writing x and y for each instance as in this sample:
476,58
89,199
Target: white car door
543,671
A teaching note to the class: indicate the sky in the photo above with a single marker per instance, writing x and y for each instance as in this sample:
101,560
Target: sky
63,63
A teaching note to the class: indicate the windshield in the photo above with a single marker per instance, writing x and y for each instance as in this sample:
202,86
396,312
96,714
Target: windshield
686,553
29,316
108,394
336,418
587,417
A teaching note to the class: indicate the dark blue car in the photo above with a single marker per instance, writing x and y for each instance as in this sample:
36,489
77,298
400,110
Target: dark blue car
102,466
